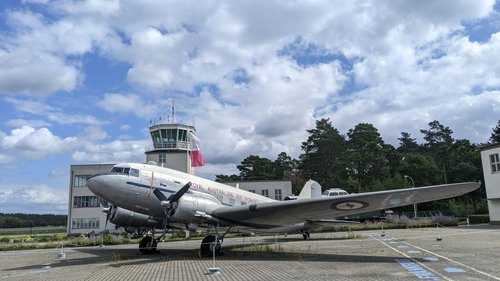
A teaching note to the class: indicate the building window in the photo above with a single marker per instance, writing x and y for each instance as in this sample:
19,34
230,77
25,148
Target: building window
80,180
277,194
251,190
265,192
162,158
495,163
86,202
85,223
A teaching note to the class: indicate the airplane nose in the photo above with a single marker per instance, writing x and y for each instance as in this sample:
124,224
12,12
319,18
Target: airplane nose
95,183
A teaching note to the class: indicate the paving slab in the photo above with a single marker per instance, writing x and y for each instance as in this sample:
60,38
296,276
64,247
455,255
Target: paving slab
464,253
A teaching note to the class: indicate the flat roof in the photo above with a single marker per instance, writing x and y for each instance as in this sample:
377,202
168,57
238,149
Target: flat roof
489,146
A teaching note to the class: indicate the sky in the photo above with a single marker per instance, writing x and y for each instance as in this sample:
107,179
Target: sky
81,80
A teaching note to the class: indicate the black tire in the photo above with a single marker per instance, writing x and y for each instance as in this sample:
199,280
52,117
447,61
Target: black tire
145,246
207,246
306,235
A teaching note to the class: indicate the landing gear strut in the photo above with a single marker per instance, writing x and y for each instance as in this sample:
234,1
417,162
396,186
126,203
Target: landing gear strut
306,235
208,246
148,245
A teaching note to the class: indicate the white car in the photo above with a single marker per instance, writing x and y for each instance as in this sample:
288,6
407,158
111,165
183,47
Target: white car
334,192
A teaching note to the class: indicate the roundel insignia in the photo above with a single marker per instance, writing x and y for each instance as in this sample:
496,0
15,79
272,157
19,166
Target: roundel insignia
349,205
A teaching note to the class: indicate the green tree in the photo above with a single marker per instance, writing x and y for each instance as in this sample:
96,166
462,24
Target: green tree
466,160
438,143
284,164
393,158
437,134
256,168
421,168
495,135
323,147
364,158
226,178
407,143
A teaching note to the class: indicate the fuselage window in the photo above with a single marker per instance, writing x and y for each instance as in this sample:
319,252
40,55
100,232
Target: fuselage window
134,172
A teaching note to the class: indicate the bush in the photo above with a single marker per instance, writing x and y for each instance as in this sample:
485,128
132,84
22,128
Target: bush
475,219
444,220
58,237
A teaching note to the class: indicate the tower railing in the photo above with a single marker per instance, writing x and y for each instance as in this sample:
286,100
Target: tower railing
168,145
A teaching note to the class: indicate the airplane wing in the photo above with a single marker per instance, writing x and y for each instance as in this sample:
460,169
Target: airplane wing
281,213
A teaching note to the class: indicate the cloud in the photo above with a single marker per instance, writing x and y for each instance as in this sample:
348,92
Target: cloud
39,199
25,122
38,108
256,75
34,143
93,133
34,74
112,152
133,104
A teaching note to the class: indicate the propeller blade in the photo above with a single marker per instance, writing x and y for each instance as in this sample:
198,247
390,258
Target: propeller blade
178,195
103,203
159,195
108,211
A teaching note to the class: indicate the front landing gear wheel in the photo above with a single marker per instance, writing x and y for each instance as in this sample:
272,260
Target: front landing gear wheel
306,235
146,247
208,245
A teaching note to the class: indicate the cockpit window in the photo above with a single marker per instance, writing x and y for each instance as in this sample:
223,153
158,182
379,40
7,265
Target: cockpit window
120,170
134,172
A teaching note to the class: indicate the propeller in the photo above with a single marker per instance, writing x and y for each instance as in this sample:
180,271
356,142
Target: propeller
170,204
106,209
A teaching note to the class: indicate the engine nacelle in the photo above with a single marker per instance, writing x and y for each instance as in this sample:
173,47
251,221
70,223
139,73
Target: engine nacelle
189,204
123,217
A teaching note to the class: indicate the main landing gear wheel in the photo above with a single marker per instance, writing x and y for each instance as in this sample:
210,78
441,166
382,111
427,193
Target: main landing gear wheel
306,235
208,245
146,247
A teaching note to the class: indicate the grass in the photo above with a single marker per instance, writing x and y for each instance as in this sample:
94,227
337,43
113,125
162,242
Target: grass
36,230
28,242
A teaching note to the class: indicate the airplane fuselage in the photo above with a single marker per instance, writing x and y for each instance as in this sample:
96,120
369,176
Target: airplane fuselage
131,185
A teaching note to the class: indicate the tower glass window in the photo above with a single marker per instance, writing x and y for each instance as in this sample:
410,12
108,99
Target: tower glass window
155,135
182,135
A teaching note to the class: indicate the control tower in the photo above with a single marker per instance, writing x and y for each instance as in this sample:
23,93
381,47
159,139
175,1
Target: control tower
170,146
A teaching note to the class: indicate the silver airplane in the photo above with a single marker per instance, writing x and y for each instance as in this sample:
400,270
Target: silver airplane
145,195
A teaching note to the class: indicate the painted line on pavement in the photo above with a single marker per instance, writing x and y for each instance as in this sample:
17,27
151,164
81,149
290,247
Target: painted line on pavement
414,262
454,261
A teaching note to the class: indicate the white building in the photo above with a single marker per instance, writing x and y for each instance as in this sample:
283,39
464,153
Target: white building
490,158
277,189
84,209
169,149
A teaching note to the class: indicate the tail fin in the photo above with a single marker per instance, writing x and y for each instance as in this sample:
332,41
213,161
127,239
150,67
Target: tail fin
311,189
